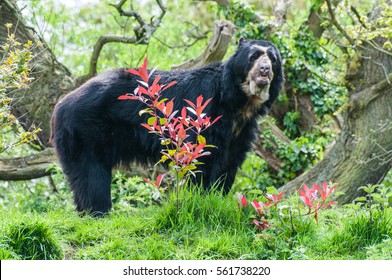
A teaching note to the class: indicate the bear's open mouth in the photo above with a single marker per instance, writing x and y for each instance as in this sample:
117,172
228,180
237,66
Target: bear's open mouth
258,84
262,80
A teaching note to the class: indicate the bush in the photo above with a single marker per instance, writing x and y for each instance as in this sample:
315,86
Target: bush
14,74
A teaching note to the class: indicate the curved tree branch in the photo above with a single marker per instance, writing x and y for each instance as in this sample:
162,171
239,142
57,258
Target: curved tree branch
216,48
142,33
352,42
39,165
29,167
267,151
336,23
99,45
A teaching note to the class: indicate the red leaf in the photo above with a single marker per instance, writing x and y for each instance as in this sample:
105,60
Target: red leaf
127,96
169,85
147,126
327,190
199,100
257,206
154,91
143,71
265,224
161,106
274,198
184,119
330,203
132,71
215,120
142,90
199,148
316,188
181,133
241,200
200,107
257,224
148,181
145,63
304,197
169,108
156,80
159,180
190,103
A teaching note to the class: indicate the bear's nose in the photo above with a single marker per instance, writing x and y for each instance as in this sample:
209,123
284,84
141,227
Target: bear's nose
264,69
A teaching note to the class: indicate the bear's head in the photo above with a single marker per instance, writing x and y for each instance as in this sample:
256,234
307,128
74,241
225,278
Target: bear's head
257,68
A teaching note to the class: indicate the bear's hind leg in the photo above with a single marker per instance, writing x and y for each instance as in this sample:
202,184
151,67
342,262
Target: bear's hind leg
91,187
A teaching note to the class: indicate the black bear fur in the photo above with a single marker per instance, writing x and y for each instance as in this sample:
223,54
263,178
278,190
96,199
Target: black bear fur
93,131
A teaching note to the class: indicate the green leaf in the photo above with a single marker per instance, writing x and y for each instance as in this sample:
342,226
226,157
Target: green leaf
338,194
145,111
161,101
369,188
260,192
165,142
210,146
361,198
162,121
151,120
163,159
272,190
201,139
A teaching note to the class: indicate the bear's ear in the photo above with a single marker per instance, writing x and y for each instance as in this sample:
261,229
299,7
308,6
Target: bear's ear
240,41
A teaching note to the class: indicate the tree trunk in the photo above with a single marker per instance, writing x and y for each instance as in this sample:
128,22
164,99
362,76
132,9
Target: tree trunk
363,153
34,106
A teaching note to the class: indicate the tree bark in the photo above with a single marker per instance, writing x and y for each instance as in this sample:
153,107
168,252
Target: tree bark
27,168
363,152
34,106
267,151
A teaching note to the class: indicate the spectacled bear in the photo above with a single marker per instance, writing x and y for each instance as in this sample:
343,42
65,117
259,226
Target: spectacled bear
92,131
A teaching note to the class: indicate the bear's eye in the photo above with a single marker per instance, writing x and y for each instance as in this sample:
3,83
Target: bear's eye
272,56
254,56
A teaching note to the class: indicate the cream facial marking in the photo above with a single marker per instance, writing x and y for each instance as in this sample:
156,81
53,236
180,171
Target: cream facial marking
260,76
264,49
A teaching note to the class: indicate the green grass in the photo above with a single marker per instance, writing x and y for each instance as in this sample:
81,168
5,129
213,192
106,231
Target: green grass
196,226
